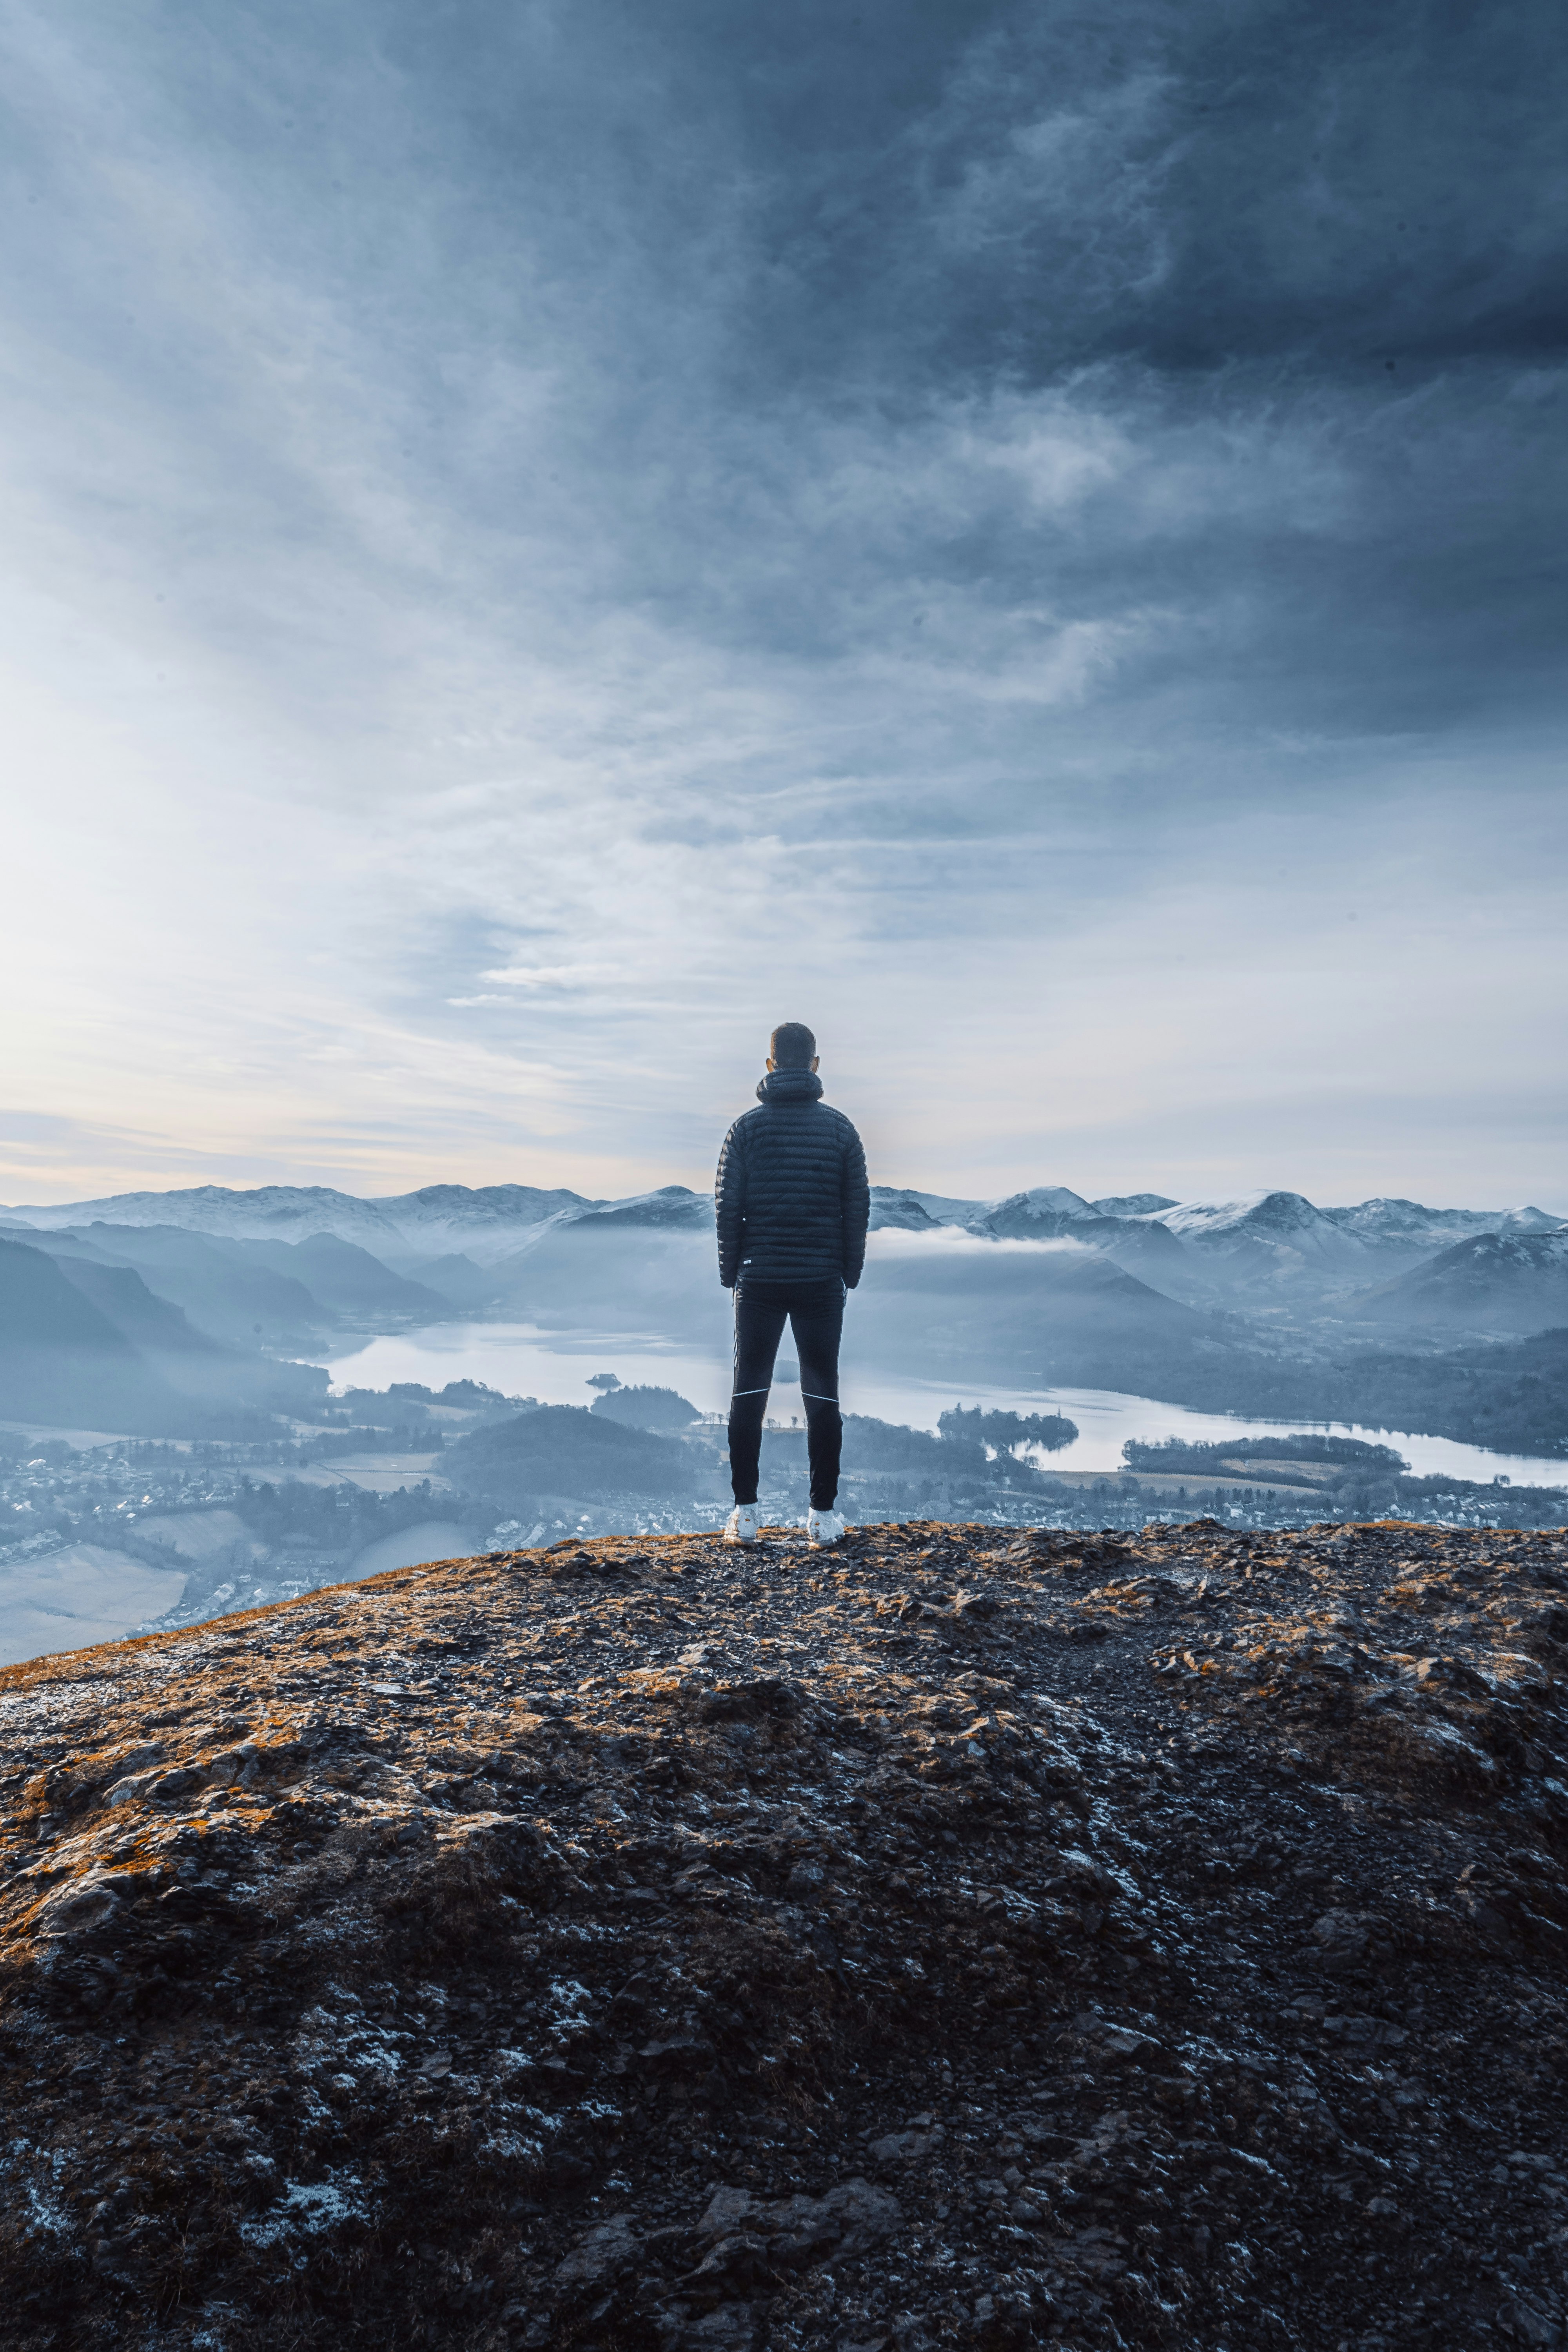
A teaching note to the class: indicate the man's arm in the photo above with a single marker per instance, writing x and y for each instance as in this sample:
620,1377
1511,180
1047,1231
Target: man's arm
855,1205
730,1205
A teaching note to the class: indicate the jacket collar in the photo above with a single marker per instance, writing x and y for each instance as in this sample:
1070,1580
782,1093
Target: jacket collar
776,1086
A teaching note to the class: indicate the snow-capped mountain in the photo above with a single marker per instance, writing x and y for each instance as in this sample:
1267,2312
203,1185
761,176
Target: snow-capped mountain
1043,1200
941,1208
284,1212
1281,1240
1408,1226
1278,1238
1137,1245
674,1208
485,1221
902,1205
1046,1213
902,1210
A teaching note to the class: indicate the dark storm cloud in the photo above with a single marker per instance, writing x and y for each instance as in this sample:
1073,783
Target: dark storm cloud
1320,188
1286,244
720,241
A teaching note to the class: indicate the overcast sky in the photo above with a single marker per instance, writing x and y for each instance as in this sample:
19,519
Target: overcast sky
543,538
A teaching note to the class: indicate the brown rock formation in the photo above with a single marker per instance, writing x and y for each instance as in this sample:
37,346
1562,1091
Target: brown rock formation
959,1939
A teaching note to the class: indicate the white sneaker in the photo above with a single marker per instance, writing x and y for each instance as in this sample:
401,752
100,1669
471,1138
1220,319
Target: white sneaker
824,1527
741,1526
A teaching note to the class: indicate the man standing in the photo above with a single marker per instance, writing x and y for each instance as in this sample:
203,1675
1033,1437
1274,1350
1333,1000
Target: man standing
793,1208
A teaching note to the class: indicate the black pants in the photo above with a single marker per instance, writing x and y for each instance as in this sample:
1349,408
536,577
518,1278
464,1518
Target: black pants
815,1313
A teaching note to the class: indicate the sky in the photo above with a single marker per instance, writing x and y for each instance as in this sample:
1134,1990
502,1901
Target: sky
540,539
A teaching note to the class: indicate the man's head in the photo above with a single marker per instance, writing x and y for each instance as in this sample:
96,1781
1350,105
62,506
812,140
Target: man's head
792,1047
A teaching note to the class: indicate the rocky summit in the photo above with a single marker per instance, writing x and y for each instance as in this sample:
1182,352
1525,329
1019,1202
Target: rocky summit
961,1938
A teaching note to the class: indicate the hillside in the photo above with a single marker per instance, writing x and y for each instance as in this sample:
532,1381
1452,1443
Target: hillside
1491,1282
992,1308
1508,1394
561,1450
962,1940
346,1279
227,1299
63,1359
150,1323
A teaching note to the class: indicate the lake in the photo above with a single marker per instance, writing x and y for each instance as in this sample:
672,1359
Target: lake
555,1366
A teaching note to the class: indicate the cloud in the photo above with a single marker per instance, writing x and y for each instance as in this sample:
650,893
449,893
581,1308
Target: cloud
542,539
948,1241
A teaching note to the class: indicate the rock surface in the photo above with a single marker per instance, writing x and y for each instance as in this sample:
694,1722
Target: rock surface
958,1939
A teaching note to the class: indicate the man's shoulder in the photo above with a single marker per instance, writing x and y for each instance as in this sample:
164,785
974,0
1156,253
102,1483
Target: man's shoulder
735,1134
769,1114
768,1118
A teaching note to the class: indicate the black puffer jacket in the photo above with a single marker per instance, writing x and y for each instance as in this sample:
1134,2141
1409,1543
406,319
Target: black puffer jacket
792,1198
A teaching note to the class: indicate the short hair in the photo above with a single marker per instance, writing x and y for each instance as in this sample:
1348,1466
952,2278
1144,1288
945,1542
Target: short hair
791,1046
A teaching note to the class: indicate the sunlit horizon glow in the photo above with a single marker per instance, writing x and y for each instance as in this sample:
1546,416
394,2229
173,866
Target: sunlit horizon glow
542,542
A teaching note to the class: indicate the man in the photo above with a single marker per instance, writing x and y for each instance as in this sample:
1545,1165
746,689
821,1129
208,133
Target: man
793,1209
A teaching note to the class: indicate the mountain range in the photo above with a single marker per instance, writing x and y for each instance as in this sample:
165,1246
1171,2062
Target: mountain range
211,1291
1273,1238
488,1222
481,1222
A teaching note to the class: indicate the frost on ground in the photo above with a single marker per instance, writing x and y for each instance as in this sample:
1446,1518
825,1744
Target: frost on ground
970,1937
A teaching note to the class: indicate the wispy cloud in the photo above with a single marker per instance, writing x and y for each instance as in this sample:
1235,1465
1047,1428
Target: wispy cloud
548,975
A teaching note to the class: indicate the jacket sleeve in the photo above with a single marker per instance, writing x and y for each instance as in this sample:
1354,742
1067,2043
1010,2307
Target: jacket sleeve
730,1205
855,1207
